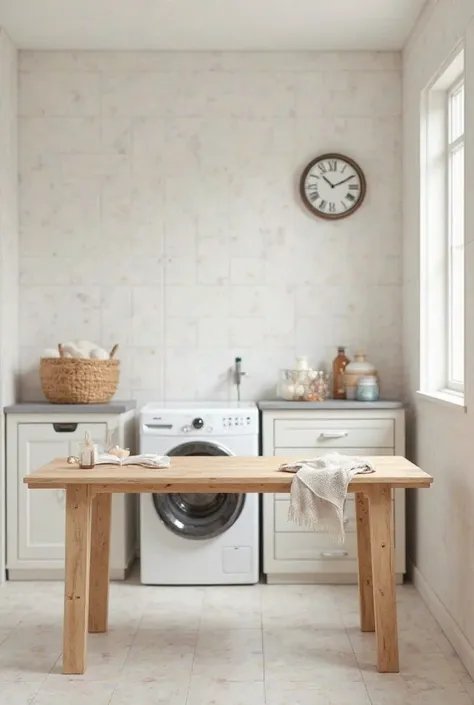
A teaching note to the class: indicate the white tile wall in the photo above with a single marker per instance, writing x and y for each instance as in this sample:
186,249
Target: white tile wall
160,209
441,440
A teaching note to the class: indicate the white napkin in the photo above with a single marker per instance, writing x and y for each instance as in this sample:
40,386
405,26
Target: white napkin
319,490
148,460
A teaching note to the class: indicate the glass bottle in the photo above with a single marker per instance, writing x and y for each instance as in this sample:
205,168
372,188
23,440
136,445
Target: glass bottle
338,367
87,453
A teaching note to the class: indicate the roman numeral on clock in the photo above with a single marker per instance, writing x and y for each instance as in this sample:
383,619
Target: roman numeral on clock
350,197
332,207
353,187
332,164
314,196
322,204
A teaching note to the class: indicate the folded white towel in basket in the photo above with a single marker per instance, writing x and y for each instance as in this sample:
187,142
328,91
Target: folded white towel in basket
319,490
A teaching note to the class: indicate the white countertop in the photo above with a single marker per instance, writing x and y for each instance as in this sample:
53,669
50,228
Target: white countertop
331,404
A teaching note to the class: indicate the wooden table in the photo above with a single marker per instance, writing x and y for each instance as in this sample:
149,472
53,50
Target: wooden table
88,513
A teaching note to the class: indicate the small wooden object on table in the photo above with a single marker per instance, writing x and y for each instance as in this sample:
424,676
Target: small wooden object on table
88,494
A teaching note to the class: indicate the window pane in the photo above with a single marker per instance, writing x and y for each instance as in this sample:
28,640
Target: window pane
456,372
456,267
456,113
456,234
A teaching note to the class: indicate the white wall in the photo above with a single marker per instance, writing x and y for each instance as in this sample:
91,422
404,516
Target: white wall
159,209
8,219
8,244
442,439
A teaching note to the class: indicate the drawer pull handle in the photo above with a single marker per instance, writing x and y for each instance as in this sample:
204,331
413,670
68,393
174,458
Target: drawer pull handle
334,554
326,435
65,427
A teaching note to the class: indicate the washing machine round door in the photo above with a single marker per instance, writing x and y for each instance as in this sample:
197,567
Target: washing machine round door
198,515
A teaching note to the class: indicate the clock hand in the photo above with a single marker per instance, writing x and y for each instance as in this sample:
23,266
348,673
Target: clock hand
328,182
344,181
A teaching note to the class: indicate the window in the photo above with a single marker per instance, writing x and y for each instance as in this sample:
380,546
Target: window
455,354
442,234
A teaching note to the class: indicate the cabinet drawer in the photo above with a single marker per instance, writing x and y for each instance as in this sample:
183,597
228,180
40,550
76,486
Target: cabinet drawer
334,434
313,546
282,524
295,453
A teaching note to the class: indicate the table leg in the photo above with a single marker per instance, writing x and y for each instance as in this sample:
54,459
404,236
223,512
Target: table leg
383,568
76,589
366,591
100,557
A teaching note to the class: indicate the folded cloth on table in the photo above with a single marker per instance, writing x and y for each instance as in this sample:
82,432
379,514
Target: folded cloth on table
319,490
148,460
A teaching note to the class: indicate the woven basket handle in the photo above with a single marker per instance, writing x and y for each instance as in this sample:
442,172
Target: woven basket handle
113,351
60,350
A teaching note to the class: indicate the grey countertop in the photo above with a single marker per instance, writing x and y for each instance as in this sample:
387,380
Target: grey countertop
331,404
113,407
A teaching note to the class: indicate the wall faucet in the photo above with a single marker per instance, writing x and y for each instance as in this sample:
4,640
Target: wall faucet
238,374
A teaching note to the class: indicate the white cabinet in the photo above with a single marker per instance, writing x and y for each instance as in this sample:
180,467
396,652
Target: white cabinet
295,554
35,519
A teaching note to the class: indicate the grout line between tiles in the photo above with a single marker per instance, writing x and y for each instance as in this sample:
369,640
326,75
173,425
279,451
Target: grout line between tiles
117,683
36,693
194,652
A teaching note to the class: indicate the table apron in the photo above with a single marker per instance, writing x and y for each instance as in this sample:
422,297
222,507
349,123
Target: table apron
205,487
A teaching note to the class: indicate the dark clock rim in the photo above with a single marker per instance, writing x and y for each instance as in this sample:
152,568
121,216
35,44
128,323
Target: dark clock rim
329,216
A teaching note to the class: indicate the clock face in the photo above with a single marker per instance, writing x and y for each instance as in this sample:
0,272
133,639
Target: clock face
332,186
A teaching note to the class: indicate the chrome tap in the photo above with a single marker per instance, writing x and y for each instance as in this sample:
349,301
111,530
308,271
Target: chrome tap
238,374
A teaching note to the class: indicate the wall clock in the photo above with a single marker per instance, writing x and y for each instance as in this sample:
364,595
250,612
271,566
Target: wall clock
332,186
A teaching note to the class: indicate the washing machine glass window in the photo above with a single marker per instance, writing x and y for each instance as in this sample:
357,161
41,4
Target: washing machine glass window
195,515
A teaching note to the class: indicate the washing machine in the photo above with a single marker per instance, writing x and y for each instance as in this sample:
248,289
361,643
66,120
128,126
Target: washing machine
192,538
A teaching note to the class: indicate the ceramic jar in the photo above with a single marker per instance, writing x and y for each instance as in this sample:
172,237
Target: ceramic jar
367,389
356,369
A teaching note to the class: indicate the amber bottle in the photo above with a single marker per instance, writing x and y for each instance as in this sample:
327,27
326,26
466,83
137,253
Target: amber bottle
338,367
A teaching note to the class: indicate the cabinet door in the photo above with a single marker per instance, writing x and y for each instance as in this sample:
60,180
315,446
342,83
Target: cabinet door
41,512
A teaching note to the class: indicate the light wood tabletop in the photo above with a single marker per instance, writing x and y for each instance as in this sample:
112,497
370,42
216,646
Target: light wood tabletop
217,473
88,517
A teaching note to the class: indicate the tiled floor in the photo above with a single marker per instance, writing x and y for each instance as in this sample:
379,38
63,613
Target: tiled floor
273,645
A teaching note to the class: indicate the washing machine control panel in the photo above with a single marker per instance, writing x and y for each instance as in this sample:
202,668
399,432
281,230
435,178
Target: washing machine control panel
199,422
236,421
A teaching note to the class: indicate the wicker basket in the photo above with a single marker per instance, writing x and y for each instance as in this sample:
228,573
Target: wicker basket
69,380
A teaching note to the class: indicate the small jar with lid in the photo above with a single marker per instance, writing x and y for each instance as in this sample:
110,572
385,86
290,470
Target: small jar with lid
367,389
356,369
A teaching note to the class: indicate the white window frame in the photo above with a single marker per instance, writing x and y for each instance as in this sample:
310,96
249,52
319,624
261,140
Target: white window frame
435,235
451,148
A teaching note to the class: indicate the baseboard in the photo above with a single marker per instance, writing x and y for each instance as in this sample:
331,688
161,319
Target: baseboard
451,629
130,563
316,579
19,574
